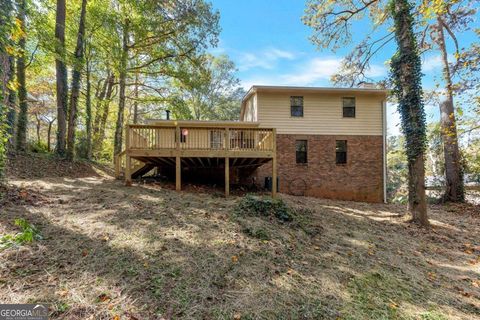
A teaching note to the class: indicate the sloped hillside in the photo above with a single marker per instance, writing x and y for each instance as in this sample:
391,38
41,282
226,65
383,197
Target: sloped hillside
105,251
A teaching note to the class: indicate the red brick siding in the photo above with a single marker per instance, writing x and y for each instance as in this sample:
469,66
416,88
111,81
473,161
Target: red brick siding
361,179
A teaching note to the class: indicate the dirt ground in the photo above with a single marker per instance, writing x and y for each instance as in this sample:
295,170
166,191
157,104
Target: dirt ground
146,252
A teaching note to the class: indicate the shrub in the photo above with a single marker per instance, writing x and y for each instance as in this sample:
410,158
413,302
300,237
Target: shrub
28,234
259,206
258,233
38,147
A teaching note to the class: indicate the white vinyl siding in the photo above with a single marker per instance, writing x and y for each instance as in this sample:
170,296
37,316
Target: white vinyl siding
322,114
251,109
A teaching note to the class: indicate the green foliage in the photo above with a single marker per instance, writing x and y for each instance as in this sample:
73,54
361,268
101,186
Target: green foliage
28,234
38,147
266,207
471,156
207,91
435,165
257,232
397,170
81,145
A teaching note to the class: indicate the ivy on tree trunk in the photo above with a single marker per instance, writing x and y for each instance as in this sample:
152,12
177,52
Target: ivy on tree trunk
21,140
12,97
406,76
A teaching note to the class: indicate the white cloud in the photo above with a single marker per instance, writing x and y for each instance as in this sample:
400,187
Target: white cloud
316,71
377,70
431,63
264,59
313,71
274,53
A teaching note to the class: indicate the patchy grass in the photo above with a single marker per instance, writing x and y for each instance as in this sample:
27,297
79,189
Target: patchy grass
146,252
263,206
28,234
367,303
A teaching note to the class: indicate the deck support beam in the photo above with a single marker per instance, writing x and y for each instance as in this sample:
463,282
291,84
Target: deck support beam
128,158
274,165
128,171
178,174
227,177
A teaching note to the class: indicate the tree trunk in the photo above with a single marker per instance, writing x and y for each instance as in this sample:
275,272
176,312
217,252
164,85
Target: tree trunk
88,114
406,76
12,110
38,126
417,199
49,134
62,78
76,77
99,97
454,189
6,62
135,102
4,68
105,112
21,139
121,103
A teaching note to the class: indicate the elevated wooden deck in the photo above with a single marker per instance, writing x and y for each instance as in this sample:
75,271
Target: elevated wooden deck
196,144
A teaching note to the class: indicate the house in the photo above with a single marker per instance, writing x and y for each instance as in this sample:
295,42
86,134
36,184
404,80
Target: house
330,142
322,142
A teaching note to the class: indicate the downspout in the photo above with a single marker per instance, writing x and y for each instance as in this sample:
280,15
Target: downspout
384,132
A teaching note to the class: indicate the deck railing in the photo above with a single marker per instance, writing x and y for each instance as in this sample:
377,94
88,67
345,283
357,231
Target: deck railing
151,137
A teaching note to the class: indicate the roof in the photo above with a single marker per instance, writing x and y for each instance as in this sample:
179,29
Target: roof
256,88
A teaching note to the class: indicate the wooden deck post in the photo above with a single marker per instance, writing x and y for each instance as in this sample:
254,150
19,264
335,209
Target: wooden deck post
227,176
128,159
178,174
274,164
178,160
226,145
128,173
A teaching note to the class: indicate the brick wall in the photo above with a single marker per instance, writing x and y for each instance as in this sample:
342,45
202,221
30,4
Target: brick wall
361,179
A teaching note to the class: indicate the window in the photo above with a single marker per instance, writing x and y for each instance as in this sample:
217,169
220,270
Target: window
341,152
296,106
348,107
301,151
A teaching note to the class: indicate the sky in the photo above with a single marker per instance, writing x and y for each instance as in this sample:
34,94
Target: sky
270,46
